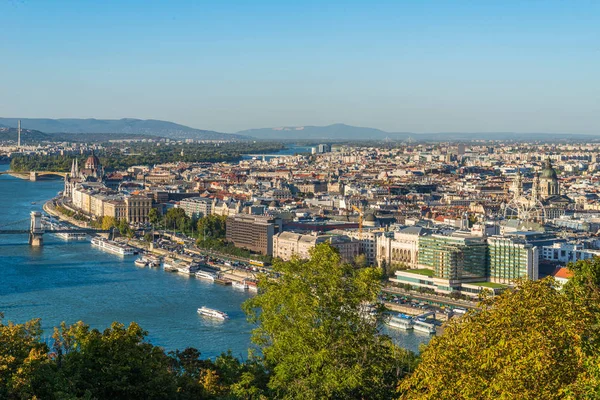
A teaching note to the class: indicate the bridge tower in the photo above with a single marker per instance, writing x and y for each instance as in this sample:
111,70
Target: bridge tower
36,231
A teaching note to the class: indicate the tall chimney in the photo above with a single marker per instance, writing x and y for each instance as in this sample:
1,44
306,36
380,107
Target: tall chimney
19,134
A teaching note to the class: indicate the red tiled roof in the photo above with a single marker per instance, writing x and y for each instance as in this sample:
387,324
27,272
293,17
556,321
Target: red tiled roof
562,272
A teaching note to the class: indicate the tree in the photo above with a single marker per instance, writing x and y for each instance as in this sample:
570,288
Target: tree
153,216
25,368
313,333
526,343
360,261
176,218
108,223
115,363
212,226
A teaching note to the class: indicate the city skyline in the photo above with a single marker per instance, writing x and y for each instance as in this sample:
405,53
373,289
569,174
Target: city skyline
230,66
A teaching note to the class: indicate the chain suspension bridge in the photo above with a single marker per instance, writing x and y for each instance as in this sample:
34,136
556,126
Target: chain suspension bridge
37,229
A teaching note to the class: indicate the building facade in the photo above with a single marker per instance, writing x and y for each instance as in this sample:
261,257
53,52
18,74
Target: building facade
252,232
196,207
509,259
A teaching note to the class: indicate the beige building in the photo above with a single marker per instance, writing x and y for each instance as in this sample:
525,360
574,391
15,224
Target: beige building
288,244
400,248
137,208
367,240
115,209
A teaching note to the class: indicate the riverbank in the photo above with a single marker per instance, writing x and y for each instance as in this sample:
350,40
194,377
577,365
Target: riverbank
50,209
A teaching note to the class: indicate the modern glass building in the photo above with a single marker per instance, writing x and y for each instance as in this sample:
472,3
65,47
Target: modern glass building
510,259
455,258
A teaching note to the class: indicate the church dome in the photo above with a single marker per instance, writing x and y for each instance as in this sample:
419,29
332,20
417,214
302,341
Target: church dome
92,162
548,172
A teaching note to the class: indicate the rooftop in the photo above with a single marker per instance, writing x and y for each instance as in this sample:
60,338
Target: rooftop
421,271
490,285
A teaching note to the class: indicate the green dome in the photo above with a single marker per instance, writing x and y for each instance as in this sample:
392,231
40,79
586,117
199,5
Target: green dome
548,172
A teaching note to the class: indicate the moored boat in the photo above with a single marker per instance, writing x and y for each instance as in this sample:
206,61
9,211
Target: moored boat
423,326
113,247
401,321
240,285
140,262
206,276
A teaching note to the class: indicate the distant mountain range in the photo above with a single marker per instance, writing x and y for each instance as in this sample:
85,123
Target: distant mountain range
128,126
70,128
347,132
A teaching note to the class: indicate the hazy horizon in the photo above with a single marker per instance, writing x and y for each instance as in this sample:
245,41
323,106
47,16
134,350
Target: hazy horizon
424,67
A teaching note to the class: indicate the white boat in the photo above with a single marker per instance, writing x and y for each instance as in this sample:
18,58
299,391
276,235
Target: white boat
423,326
401,321
113,247
205,275
153,261
141,262
240,285
212,313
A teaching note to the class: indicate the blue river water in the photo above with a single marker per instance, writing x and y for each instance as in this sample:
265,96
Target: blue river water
71,281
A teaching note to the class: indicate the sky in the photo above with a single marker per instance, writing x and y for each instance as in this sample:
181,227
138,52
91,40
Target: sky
400,66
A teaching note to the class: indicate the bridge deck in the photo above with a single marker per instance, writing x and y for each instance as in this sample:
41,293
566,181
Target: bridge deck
25,231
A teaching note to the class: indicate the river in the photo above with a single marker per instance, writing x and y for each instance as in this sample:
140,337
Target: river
71,281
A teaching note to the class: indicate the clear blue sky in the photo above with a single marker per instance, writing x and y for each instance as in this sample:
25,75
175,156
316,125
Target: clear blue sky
419,66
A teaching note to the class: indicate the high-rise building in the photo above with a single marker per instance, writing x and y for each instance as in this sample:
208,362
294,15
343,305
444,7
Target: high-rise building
253,232
509,259
19,134
454,258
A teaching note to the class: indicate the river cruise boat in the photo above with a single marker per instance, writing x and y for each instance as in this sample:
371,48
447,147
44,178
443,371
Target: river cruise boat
240,285
212,313
401,321
423,326
206,276
113,247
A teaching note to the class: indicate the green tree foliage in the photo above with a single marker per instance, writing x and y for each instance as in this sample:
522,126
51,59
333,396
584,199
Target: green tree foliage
176,218
117,363
313,336
109,223
24,364
114,157
153,216
212,226
528,343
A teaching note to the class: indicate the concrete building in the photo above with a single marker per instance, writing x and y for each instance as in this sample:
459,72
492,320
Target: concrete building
196,207
137,208
567,252
288,244
400,248
253,232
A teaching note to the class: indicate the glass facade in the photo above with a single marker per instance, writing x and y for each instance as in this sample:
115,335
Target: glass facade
509,259
453,257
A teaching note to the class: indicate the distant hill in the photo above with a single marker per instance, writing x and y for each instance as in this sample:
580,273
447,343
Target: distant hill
332,132
28,136
347,132
118,126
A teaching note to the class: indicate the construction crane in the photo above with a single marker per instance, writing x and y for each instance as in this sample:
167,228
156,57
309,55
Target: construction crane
360,219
